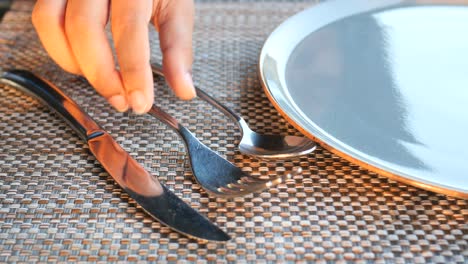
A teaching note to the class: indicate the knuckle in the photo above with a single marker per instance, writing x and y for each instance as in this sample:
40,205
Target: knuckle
41,20
133,69
82,24
77,23
123,23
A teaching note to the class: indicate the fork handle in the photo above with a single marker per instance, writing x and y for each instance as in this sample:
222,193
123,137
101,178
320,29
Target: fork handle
164,117
157,69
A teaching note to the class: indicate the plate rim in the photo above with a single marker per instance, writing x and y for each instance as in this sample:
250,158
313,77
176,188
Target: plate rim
382,170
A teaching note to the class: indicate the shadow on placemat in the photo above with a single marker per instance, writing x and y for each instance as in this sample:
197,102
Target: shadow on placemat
4,6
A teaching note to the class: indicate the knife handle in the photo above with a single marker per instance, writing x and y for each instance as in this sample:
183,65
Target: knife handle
55,99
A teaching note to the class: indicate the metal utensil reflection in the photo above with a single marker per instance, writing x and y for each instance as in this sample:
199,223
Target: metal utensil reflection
215,174
152,196
253,143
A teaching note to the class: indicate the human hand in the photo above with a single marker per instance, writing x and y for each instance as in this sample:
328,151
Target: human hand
73,33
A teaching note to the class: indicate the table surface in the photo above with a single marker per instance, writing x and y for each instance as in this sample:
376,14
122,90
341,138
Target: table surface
57,204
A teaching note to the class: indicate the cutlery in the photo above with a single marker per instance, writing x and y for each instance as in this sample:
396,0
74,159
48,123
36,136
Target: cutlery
215,174
217,177
156,199
253,143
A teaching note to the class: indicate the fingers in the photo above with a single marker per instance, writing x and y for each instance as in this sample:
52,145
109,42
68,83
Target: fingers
85,21
73,34
174,19
130,31
48,18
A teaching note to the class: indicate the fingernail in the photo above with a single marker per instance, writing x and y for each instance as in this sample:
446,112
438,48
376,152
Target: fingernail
190,94
119,103
138,102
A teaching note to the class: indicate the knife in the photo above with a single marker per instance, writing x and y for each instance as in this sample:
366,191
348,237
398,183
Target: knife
156,199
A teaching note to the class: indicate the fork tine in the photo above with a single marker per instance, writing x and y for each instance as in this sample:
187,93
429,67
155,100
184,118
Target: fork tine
227,190
250,188
253,180
247,181
250,179
241,185
248,185
242,189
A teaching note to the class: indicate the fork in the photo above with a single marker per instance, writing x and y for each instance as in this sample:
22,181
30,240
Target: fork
253,143
215,174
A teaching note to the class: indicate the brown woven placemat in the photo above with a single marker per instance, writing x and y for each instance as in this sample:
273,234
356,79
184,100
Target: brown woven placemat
58,204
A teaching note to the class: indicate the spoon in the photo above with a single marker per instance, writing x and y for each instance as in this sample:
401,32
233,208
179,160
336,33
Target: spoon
253,143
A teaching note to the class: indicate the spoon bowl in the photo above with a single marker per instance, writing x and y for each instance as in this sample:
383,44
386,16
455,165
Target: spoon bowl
253,143
273,146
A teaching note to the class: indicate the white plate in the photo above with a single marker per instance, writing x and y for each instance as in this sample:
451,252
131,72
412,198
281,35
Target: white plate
382,83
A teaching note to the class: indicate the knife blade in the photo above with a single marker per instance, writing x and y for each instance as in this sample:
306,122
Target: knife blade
155,198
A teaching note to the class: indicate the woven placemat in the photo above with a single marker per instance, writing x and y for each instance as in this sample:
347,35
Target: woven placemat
57,204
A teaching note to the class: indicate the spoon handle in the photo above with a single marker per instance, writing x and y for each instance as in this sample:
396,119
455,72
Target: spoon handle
157,69
226,110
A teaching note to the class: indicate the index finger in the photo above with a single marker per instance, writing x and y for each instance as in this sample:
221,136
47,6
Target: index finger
130,20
